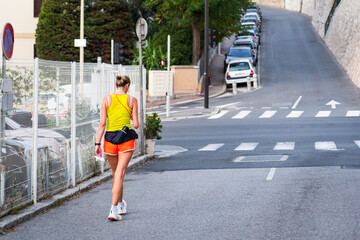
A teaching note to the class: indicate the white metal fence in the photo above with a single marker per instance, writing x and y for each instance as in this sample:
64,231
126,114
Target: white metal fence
39,160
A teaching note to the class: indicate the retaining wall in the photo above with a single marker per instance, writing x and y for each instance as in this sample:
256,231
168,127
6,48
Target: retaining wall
342,37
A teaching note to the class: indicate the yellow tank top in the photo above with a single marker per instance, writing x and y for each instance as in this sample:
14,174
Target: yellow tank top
116,113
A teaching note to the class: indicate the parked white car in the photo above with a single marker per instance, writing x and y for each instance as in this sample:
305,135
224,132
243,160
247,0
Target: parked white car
239,71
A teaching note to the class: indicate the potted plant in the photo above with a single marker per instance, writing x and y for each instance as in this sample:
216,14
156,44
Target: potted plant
152,129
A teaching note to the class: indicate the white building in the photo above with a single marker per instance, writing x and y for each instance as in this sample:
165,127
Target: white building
23,16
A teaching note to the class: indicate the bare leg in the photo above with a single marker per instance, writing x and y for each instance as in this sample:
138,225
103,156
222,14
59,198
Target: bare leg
113,161
118,177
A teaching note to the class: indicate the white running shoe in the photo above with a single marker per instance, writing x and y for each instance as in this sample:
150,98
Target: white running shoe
113,216
122,207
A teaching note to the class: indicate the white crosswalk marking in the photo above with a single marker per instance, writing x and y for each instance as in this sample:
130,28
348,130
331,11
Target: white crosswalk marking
246,147
241,114
357,143
219,115
295,114
325,146
284,146
353,114
323,114
212,147
268,114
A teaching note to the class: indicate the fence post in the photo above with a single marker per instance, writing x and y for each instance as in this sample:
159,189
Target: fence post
35,129
57,96
2,181
73,124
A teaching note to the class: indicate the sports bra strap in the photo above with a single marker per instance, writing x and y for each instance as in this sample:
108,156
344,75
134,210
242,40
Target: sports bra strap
130,101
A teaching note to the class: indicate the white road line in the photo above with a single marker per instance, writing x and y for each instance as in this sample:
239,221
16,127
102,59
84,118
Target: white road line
295,114
183,107
268,114
238,159
353,114
266,108
284,146
323,114
271,174
212,147
325,146
199,107
163,113
219,115
227,105
296,103
246,147
357,143
241,114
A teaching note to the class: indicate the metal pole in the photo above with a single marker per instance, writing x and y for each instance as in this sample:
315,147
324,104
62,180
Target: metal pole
35,129
81,51
141,101
24,91
57,96
168,82
2,122
73,123
206,52
112,51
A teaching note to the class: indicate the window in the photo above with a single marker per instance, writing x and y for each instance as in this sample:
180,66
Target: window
239,66
37,7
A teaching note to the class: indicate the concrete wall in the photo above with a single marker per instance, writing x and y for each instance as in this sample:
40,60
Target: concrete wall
293,5
343,35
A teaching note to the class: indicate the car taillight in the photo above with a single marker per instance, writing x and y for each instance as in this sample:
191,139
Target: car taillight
228,75
251,73
255,38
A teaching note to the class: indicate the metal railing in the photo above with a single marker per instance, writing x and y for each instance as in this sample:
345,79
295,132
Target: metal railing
332,11
39,160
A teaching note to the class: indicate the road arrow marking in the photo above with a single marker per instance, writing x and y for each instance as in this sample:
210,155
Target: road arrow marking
333,104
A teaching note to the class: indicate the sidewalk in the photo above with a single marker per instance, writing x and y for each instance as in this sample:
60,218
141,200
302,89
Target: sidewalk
11,221
217,84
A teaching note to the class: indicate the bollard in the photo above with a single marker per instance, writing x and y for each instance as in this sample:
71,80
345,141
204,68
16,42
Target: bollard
256,83
234,87
248,84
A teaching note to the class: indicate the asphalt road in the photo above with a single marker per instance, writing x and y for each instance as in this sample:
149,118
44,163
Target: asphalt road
275,163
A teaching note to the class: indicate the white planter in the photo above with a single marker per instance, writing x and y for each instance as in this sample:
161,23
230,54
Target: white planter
150,147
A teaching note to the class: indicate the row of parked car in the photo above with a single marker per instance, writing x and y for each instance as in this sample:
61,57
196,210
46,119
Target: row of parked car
243,55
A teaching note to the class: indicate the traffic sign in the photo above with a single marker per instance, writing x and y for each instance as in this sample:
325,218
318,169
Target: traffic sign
7,40
141,29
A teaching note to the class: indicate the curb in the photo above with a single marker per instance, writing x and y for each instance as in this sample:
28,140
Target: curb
11,221
223,90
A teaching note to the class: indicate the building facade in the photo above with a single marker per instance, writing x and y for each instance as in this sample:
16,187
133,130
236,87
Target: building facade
23,16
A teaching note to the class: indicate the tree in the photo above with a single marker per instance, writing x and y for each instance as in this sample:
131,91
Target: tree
59,25
57,28
106,20
224,17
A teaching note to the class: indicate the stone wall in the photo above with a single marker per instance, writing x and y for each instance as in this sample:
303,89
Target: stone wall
343,35
272,3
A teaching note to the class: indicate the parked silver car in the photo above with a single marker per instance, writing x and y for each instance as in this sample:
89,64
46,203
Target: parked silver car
236,53
247,42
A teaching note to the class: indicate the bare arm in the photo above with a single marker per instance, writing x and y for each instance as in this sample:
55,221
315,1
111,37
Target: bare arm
102,126
135,114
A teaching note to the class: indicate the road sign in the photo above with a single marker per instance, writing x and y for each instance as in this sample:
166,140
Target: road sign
141,29
7,40
144,44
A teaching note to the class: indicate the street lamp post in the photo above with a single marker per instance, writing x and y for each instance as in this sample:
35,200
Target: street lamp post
206,57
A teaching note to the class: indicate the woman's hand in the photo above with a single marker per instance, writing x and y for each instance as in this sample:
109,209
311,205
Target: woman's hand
98,151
